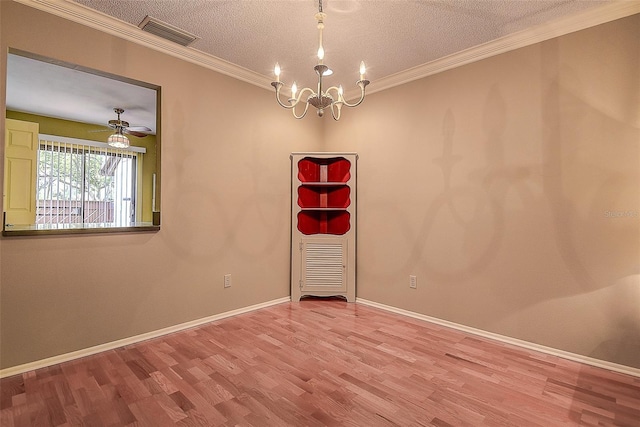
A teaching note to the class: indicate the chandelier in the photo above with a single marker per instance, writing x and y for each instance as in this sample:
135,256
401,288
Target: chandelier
331,98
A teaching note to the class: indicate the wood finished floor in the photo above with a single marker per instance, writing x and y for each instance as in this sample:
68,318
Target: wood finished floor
320,363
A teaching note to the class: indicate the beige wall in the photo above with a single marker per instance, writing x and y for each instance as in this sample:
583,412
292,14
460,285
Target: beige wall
225,207
491,183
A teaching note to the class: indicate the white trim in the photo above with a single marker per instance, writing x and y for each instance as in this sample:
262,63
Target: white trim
19,369
549,30
595,16
507,340
77,141
15,370
323,153
83,15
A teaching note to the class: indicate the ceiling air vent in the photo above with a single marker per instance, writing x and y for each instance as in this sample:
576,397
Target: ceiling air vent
167,31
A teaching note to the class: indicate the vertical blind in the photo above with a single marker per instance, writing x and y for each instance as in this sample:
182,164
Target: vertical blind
80,182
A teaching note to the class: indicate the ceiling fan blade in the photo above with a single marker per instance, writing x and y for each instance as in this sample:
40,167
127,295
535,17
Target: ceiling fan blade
134,133
139,128
122,126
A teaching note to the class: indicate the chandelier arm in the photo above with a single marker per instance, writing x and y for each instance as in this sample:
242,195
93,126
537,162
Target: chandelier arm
336,89
304,113
277,86
292,101
306,89
363,84
339,100
336,106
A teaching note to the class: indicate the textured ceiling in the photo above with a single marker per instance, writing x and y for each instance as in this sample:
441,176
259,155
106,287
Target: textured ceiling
389,35
395,38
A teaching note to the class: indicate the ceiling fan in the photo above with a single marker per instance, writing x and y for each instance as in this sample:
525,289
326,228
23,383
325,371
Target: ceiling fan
123,126
118,139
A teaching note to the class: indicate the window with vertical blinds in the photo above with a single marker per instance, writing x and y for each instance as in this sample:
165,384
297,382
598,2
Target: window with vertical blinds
87,183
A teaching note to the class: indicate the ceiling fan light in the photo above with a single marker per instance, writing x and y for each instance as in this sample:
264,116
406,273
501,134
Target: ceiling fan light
118,140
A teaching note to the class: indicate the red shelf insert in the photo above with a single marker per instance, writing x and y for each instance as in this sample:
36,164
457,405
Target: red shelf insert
324,197
324,222
335,169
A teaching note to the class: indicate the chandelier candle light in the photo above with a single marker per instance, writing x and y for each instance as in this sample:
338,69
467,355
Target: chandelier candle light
332,98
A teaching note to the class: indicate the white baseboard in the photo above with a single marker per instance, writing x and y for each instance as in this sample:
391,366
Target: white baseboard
15,370
508,340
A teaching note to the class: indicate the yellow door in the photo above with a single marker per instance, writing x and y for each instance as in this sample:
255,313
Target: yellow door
20,171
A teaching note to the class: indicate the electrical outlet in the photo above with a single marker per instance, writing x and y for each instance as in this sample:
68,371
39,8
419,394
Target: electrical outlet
227,280
413,282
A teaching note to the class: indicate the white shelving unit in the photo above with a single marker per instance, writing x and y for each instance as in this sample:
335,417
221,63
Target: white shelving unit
323,225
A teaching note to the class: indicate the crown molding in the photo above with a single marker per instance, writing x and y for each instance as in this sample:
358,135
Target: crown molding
549,30
83,15
80,14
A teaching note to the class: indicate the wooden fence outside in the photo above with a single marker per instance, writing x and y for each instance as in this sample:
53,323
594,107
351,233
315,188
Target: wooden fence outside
70,212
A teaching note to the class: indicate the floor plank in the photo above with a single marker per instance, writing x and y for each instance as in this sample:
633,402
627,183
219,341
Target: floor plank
320,362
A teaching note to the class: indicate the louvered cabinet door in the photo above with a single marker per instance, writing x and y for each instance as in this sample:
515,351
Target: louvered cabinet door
323,220
324,264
